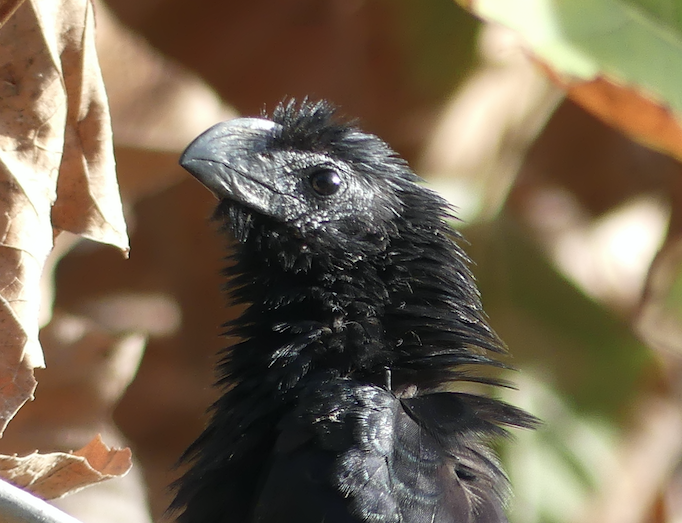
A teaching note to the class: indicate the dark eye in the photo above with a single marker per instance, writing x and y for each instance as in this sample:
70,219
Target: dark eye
464,473
325,182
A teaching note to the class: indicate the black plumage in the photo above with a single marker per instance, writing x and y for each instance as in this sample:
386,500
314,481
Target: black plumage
361,317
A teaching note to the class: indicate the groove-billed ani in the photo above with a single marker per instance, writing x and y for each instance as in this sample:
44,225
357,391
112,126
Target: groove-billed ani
361,318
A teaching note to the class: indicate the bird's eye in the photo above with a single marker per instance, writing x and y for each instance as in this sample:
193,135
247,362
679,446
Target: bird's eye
464,473
325,182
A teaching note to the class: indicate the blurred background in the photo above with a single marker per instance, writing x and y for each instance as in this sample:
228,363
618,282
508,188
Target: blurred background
574,230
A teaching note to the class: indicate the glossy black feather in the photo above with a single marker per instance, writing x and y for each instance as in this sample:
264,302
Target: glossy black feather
360,312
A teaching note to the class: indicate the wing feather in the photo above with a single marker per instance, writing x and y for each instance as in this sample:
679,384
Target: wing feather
386,459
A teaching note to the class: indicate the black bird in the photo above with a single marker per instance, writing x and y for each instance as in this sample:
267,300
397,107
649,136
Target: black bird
361,318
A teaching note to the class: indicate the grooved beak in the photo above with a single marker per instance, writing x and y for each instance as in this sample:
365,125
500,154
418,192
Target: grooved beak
222,159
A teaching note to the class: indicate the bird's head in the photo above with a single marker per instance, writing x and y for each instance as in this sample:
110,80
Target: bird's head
315,197
302,170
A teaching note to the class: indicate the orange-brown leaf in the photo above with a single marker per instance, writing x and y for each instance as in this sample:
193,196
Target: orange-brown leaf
629,110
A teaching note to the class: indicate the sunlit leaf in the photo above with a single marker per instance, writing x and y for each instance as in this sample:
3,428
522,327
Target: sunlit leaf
621,59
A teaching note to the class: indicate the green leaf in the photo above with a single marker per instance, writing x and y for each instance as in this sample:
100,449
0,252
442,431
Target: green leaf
633,42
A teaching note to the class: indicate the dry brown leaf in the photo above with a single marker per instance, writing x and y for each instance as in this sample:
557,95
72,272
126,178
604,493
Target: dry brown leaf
53,475
56,169
88,370
88,202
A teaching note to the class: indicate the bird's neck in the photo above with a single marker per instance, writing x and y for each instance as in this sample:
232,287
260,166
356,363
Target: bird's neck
410,305
302,322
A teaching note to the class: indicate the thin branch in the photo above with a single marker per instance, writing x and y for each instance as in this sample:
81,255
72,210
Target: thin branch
18,506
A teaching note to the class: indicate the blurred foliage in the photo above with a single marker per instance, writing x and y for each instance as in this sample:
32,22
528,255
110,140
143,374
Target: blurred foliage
556,469
619,58
673,300
438,57
589,355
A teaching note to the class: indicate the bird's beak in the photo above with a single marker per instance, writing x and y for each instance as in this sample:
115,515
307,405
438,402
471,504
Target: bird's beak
222,159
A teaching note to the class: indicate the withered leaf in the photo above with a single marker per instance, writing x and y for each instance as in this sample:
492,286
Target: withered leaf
57,169
53,475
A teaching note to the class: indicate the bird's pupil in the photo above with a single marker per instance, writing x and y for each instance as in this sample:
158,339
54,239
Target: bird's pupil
325,182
